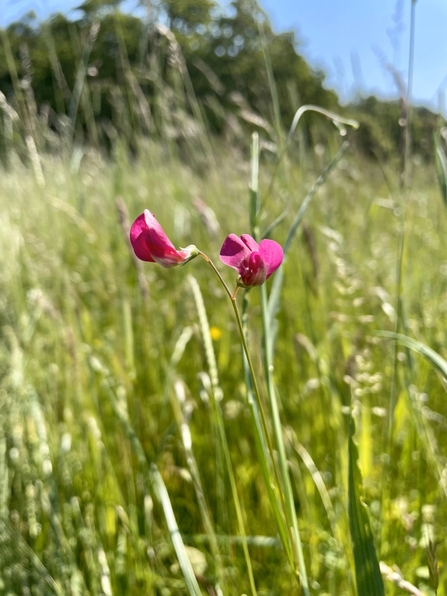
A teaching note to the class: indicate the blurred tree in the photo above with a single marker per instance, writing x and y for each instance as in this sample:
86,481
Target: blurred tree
382,127
140,76
98,8
187,17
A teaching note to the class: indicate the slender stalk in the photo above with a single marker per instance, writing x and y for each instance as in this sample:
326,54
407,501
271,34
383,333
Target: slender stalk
232,296
279,440
287,494
266,439
338,121
386,493
407,154
216,271
81,77
237,504
215,391
276,497
402,235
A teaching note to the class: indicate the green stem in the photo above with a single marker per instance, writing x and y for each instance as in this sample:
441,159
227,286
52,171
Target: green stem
339,121
215,401
255,388
403,228
275,495
239,511
232,296
277,431
284,532
331,115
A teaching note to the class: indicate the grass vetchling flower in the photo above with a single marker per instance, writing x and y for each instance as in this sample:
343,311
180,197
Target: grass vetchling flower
254,262
150,243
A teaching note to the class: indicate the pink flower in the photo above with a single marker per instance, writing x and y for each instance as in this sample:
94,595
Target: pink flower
254,262
150,243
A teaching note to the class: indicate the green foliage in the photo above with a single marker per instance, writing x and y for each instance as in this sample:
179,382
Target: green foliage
187,16
382,128
226,71
98,8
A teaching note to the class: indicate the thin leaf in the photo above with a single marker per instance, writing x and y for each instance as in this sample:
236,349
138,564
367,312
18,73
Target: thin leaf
217,397
273,304
367,570
275,223
176,537
156,481
254,189
430,355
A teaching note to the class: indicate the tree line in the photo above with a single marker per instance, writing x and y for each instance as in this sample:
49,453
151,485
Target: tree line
176,69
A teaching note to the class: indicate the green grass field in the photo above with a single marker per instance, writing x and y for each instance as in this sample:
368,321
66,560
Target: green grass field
104,370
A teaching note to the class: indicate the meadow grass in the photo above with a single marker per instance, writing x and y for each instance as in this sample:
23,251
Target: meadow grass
112,410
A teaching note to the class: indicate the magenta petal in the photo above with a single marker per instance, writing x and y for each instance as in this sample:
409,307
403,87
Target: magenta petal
150,242
272,255
159,240
170,257
162,250
139,238
250,242
253,271
234,251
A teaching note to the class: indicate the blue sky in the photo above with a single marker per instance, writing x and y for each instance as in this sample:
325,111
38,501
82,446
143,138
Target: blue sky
355,42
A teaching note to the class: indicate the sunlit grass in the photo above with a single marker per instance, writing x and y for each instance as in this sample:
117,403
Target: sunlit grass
91,370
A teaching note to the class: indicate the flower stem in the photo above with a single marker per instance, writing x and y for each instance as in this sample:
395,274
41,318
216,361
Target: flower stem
232,296
216,394
216,271
263,429
282,456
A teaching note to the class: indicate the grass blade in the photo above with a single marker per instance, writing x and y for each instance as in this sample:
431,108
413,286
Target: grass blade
176,537
217,397
156,481
273,303
367,570
254,190
441,168
430,355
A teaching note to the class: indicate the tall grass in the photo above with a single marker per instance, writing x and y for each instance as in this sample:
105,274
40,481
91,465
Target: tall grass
76,330
136,454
